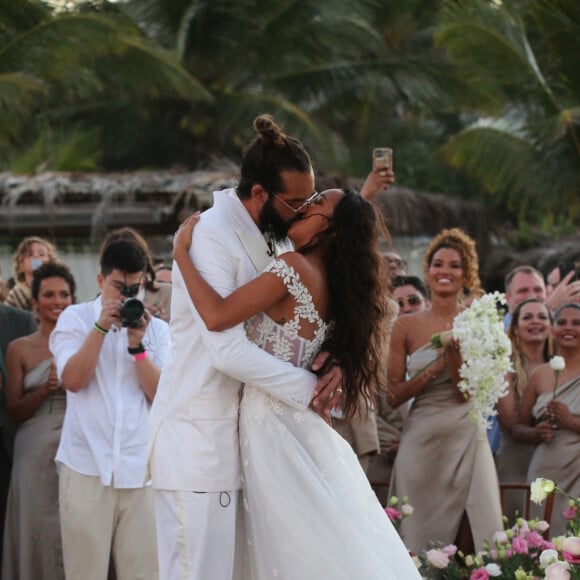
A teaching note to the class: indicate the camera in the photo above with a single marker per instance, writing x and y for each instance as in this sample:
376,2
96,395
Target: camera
131,312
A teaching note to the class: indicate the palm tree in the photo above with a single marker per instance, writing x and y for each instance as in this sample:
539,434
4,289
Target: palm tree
346,76
525,144
60,71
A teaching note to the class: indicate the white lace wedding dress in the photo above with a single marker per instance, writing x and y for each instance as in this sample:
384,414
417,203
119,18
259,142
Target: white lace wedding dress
310,511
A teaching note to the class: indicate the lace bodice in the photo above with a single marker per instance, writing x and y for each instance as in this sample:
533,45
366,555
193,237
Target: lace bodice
283,340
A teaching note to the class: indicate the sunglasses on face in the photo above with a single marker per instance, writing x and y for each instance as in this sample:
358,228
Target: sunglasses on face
309,201
397,262
411,301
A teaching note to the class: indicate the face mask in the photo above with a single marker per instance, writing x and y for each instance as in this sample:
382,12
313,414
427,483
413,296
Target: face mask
35,263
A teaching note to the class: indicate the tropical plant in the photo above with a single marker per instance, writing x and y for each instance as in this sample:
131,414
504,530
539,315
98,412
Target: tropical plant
524,146
59,71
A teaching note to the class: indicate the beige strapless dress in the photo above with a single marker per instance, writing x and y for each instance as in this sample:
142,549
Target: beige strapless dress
444,466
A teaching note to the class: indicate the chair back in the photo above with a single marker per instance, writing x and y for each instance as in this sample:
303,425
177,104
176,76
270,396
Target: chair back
525,490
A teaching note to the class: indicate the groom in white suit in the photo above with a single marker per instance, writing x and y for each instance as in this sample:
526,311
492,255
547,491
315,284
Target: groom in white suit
194,460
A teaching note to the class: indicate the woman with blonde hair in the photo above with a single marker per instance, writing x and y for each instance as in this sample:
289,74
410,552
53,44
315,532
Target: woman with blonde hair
444,463
31,253
530,335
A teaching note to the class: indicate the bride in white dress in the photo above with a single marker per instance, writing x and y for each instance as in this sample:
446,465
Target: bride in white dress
310,511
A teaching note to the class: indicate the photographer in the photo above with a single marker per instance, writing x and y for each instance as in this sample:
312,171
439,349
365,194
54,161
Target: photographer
108,354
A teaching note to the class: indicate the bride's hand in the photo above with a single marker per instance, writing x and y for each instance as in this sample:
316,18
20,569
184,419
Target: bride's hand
182,237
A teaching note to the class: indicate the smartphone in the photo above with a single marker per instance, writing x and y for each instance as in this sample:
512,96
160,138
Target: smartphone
566,268
382,158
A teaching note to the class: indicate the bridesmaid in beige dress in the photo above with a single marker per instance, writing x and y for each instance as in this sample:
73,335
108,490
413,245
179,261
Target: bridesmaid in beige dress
444,464
36,402
530,335
551,420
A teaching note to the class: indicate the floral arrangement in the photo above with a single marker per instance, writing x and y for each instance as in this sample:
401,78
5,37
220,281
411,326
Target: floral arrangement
541,488
398,511
485,349
519,552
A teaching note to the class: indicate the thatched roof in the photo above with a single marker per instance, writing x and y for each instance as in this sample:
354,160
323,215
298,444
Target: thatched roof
82,204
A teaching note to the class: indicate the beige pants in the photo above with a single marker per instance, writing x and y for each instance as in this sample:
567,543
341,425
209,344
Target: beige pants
96,519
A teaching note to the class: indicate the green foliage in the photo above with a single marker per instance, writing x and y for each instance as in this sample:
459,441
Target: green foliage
524,147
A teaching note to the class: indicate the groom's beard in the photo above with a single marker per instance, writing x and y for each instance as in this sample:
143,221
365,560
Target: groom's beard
270,221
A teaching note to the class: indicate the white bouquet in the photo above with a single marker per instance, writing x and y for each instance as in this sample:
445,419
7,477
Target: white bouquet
486,350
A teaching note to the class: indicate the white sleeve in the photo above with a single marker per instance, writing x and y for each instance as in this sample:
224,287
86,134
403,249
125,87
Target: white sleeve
67,338
230,350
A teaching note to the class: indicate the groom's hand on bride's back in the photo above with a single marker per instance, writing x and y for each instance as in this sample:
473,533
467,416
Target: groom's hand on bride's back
328,391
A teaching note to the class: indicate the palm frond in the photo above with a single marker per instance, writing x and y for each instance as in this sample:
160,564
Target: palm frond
491,47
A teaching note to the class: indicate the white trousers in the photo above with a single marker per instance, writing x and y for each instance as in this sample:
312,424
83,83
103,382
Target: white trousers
200,535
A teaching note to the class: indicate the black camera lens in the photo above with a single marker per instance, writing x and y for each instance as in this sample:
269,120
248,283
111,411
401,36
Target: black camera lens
131,312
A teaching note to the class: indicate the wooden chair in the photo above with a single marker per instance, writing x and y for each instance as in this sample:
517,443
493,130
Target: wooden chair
524,488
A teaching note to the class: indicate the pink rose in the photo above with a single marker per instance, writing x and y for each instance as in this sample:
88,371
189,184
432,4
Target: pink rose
557,571
519,545
534,540
479,574
571,512
570,557
571,545
393,514
450,550
437,559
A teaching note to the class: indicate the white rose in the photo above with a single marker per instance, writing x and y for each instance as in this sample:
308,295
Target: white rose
548,557
407,509
493,569
558,363
437,559
558,571
541,526
541,488
501,538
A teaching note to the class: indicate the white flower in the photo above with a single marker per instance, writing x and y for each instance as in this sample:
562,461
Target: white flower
541,526
548,557
541,488
493,569
572,545
501,538
437,559
485,350
558,363
407,509
558,571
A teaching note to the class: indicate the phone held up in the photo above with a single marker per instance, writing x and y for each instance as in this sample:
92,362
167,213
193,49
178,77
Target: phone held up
565,269
382,158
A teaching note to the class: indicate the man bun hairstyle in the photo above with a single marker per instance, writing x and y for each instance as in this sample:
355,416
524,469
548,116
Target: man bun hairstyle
271,152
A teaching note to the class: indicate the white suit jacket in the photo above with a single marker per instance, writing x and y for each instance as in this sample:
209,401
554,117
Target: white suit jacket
194,419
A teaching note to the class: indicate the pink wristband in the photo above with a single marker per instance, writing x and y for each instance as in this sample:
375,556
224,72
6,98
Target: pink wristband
140,356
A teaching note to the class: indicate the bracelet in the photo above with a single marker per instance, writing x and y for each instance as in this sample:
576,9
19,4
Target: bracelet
140,356
137,350
100,329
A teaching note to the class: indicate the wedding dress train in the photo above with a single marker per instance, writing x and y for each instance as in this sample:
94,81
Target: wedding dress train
310,511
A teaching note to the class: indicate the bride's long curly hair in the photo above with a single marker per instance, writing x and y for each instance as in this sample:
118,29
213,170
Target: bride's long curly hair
358,298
